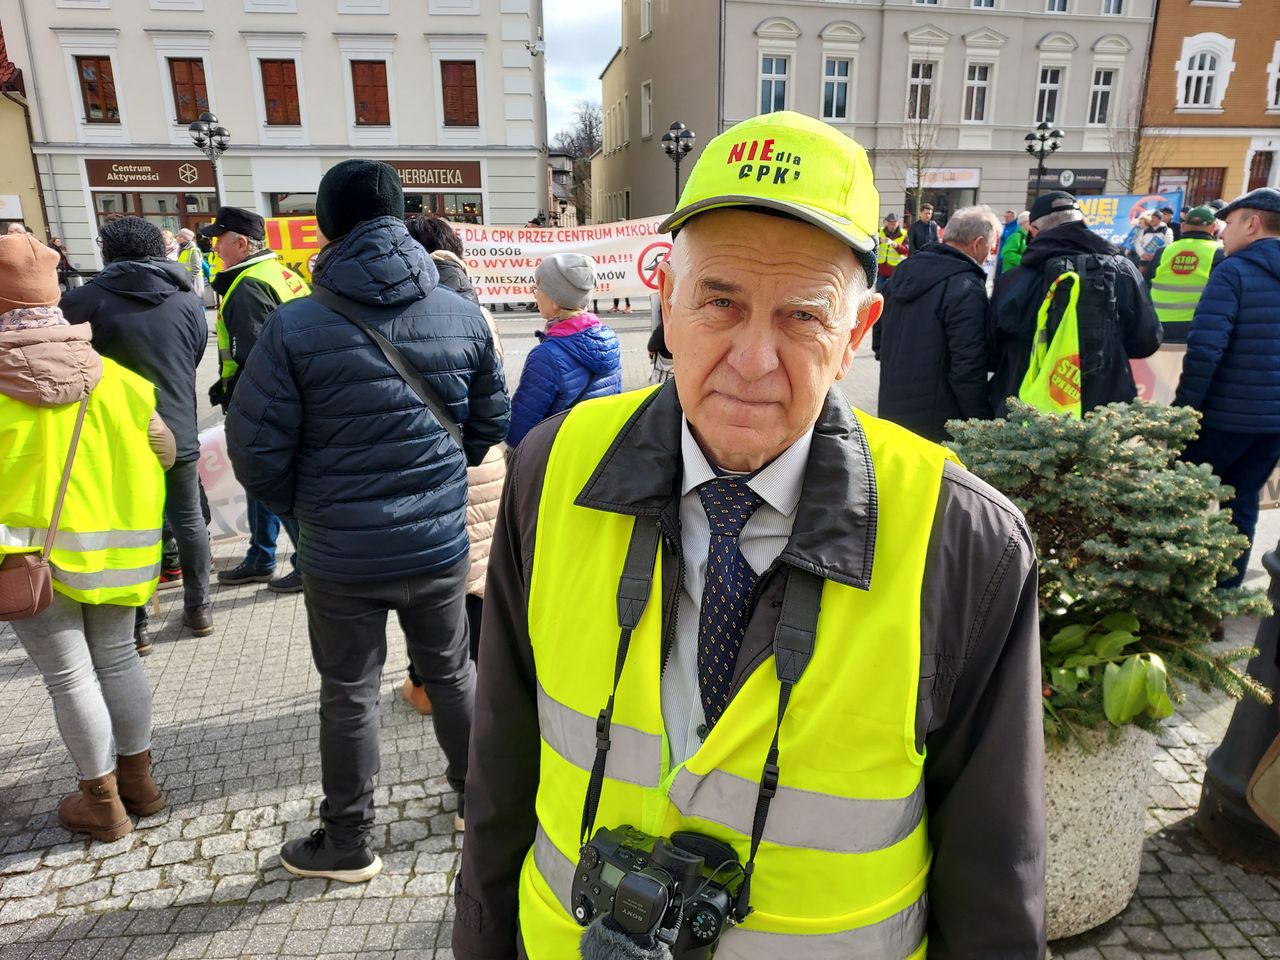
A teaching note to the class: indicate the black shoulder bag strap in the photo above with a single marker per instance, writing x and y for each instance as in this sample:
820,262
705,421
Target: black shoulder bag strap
426,393
634,588
793,644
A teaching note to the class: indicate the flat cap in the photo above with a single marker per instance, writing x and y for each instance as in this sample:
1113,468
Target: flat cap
1053,202
1266,199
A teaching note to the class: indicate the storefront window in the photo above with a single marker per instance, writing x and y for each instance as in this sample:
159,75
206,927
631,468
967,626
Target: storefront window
168,211
293,204
458,207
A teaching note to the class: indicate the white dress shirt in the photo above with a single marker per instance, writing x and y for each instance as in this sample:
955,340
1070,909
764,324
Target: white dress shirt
762,539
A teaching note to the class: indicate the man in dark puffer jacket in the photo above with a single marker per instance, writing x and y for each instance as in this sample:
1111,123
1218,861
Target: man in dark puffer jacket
322,427
1232,370
931,339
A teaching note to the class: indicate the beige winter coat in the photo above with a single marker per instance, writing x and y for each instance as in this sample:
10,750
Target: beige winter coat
484,491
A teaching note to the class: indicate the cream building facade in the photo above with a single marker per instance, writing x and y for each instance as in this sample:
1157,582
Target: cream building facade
450,92
971,76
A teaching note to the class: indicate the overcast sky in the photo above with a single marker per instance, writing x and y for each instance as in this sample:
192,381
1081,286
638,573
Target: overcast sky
581,37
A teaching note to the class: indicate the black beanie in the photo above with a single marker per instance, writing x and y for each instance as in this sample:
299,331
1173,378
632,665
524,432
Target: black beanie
355,191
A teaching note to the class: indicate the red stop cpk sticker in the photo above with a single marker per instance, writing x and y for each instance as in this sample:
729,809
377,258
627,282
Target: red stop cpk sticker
1064,382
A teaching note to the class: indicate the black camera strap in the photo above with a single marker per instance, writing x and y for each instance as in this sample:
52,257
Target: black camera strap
633,595
793,643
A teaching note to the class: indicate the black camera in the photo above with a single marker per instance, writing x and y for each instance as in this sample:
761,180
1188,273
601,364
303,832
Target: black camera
678,891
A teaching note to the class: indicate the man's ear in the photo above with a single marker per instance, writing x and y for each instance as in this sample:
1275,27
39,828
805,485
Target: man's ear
666,290
867,316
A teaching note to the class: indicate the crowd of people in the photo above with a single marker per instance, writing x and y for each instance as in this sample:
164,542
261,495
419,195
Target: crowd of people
368,414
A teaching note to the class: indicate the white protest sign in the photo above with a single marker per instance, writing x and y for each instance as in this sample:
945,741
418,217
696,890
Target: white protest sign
228,516
501,260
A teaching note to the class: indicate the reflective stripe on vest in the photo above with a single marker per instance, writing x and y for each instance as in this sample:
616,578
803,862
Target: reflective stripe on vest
107,549
896,936
283,282
81,542
843,865
886,254
1180,278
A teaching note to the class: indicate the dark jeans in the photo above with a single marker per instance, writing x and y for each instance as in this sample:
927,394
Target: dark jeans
1244,461
348,627
264,527
185,520
475,607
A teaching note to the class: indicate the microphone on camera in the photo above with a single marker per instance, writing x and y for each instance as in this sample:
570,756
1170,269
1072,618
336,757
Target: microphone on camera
605,940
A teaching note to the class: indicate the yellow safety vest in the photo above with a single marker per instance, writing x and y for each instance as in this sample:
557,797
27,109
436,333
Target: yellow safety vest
887,253
107,549
1180,278
844,863
284,283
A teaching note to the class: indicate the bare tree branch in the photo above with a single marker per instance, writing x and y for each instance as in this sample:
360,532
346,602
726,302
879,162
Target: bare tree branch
1136,150
580,141
919,146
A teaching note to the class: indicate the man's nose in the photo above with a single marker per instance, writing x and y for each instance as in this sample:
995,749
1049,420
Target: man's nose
755,348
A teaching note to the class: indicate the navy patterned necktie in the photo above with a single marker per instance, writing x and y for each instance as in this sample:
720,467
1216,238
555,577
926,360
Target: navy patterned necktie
722,622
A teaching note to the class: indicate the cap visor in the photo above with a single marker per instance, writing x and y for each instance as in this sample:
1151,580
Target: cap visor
837,230
212,230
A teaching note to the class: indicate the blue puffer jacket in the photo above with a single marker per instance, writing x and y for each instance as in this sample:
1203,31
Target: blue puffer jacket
579,360
1232,370
322,428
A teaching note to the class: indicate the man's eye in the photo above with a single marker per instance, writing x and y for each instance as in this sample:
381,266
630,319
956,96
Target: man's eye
724,303
804,315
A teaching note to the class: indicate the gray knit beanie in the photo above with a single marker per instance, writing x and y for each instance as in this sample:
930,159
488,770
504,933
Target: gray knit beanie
567,278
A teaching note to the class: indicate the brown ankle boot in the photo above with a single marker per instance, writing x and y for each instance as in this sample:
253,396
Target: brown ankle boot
96,810
139,792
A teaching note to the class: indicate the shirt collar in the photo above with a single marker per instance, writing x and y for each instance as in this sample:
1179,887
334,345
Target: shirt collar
778,483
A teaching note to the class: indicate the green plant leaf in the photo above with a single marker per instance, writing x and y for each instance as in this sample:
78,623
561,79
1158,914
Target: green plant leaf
1081,660
1120,621
1069,638
1063,679
1157,682
1111,645
1124,690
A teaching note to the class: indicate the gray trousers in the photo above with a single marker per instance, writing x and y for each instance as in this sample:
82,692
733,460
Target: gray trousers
101,695
347,622
186,522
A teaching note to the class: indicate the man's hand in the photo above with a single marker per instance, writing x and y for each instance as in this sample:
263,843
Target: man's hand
218,395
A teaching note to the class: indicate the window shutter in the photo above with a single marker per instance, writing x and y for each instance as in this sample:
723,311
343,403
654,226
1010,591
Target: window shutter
461,102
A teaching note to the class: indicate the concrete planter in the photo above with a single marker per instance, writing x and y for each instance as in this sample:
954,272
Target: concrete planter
1096,808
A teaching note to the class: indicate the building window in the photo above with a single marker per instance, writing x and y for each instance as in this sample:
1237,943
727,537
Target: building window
646,109
190,96
977,82
1112,8
1047,94
1260,170
773,83
280,93
369,88
646,17
1100,97
461,102
920,89
989,4
1200,184
1198,80
1055,6
97,90
835,89
927,2
1273,79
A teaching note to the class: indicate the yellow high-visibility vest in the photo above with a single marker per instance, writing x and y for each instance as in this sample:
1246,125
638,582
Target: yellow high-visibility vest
284,283
844,863
886,254
1180,278
107,548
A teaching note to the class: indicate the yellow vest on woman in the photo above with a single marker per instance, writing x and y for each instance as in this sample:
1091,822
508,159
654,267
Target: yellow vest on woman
107,549
843,867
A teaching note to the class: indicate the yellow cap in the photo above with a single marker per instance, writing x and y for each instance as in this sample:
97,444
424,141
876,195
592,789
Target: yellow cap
792,163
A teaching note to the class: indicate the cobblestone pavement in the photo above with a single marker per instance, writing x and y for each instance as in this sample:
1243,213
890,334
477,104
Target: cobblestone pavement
235,746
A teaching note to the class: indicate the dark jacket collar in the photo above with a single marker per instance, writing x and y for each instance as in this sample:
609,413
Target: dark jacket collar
834,533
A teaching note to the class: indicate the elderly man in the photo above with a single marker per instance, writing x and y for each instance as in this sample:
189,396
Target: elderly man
653,652
192,260
1233,352
252,283
933,336
1116,320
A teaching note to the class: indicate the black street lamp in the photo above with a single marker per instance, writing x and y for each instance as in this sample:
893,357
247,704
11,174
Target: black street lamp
677,142
1044,142
212,140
